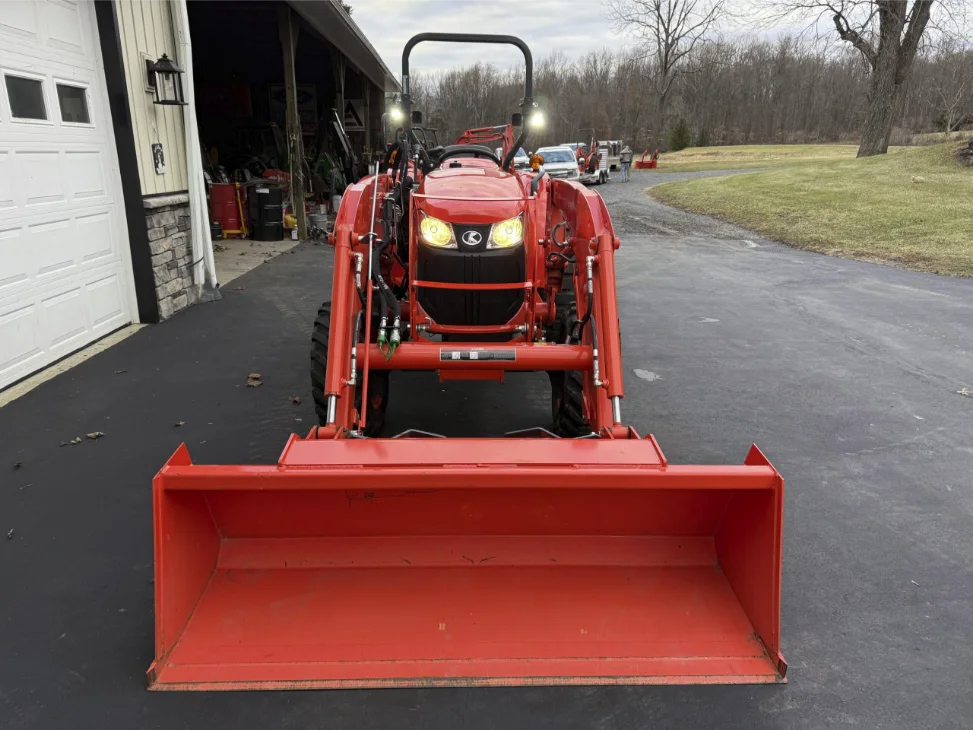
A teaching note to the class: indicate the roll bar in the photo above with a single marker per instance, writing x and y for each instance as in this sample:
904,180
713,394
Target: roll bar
526,104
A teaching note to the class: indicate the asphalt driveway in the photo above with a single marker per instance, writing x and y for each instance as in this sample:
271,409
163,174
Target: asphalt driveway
855,379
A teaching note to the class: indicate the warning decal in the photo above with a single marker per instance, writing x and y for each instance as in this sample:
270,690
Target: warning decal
492,355
354,116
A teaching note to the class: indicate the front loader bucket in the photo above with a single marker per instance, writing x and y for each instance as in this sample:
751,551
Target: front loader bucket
418,562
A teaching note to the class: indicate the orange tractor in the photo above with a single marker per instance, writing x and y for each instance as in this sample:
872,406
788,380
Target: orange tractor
572,554
589,157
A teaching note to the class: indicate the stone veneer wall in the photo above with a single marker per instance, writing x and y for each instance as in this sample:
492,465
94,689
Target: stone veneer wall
167,220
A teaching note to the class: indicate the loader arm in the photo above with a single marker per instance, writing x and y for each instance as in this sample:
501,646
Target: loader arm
487,136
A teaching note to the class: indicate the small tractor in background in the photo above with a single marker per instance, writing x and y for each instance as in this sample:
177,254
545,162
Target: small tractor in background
592,159
571,553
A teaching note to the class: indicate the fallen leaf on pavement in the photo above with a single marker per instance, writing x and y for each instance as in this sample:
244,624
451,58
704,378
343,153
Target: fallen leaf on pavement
254,376
180,423
965,391
254,383
10,535
18,464
299,419
95,435
119,372
75,440
239,288
296,400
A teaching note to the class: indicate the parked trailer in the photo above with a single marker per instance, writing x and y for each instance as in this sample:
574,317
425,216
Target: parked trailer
600,174
614,153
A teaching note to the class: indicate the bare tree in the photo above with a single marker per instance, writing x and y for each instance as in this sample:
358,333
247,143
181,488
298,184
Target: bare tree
887,34
955,87
670,31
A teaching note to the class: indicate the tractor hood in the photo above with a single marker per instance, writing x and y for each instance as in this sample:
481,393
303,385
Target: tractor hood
480,186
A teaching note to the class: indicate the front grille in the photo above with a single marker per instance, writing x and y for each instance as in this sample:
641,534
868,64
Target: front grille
471,307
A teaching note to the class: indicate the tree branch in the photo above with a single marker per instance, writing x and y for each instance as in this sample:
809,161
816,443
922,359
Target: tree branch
846,33
919,18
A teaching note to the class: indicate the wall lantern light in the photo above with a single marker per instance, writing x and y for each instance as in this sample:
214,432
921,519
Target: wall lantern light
164,78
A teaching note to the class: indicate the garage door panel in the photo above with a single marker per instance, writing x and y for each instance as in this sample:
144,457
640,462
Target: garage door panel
64,26
96,239
86,173
19,19
7,178
19,333
40,172
105,298
15,259
63,316
51,246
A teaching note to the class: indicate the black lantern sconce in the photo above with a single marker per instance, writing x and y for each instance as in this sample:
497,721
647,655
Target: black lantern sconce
164,78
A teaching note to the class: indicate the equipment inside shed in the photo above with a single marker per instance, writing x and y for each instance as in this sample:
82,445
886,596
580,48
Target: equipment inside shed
262,182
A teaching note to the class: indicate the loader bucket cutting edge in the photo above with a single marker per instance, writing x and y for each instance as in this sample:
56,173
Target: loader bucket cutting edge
380,563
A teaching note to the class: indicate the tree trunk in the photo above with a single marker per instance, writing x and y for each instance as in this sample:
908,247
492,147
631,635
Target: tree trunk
883,100
661,123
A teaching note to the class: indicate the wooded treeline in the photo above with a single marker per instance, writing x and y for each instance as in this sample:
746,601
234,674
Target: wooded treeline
745,91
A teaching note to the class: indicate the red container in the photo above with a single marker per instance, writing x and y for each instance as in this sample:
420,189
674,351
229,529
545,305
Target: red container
224,207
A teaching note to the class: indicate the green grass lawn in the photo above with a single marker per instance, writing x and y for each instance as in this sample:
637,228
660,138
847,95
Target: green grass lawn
694,159
913,208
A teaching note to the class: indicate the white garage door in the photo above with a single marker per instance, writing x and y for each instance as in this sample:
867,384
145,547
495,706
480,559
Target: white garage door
65,269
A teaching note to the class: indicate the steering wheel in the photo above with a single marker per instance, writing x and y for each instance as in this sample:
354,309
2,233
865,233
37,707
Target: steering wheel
468,150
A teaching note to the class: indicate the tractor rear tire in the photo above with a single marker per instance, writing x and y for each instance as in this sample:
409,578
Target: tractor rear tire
378,380
567,387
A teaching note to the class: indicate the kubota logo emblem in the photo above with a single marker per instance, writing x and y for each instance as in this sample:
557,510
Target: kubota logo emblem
472,238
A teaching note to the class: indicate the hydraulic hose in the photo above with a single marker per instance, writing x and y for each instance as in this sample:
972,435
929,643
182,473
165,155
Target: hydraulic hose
591,303
387,295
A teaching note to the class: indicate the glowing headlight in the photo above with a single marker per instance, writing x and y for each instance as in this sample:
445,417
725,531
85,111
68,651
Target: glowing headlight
435,232
507,234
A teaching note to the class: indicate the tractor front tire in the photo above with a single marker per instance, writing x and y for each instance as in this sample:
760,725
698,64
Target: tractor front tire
378,380
567,387
567,405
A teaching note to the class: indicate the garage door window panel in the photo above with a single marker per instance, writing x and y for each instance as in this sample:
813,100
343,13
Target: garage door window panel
73,102
25,95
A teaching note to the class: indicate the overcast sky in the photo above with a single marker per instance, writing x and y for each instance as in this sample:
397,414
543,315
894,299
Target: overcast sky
573,26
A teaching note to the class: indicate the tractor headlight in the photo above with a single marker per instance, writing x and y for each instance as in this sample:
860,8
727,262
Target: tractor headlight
507,234
435,232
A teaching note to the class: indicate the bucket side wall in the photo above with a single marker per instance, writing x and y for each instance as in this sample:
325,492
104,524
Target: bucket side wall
187,545
748,547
